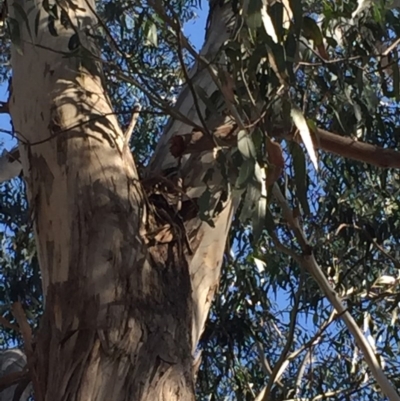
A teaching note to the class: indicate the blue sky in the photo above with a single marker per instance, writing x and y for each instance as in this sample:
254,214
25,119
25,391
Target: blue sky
5,139
195,30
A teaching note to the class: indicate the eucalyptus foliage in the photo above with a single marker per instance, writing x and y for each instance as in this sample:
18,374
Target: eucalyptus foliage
326,60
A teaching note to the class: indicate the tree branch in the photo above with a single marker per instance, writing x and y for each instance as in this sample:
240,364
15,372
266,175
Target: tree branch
308,262
283,361
129,131
333,143
225,135
357,150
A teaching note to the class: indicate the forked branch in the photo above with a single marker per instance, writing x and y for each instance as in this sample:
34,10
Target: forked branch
307,261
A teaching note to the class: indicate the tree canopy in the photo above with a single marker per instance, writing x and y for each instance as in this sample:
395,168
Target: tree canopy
306,102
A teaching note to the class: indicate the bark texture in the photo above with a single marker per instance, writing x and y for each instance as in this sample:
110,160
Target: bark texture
208,242
117,322
124,312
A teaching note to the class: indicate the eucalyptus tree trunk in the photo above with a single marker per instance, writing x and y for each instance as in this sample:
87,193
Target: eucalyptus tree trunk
123,312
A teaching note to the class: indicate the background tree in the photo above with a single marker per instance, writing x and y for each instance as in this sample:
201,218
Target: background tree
130,257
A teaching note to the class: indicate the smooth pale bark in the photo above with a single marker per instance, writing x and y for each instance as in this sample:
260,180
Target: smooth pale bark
205,263
117,317
119,313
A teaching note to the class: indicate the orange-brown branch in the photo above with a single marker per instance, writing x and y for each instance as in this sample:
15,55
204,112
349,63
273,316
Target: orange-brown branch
356,150
325,140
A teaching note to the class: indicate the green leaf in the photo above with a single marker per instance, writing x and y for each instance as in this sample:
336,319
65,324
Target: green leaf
268,24
258,139
251,199
245,145
276,59
15,34
311,31
305,134
311,124
151,33
208,175
51,26
259,218
21,12
64,19
246,173
46,5
269,222
202,94
73,42
297,9
315,319
338,118
300,175
377,14
396,77
253,15
291,55
53,11
37,22
277,13
360,81
204,203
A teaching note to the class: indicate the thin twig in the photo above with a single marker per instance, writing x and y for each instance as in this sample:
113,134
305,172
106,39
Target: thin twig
173,112
373,242
317,336
26,332
132,124
189,81
279,367
202,60
309,263
4,322
391,47
264,363
303,364
385,53
144,87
